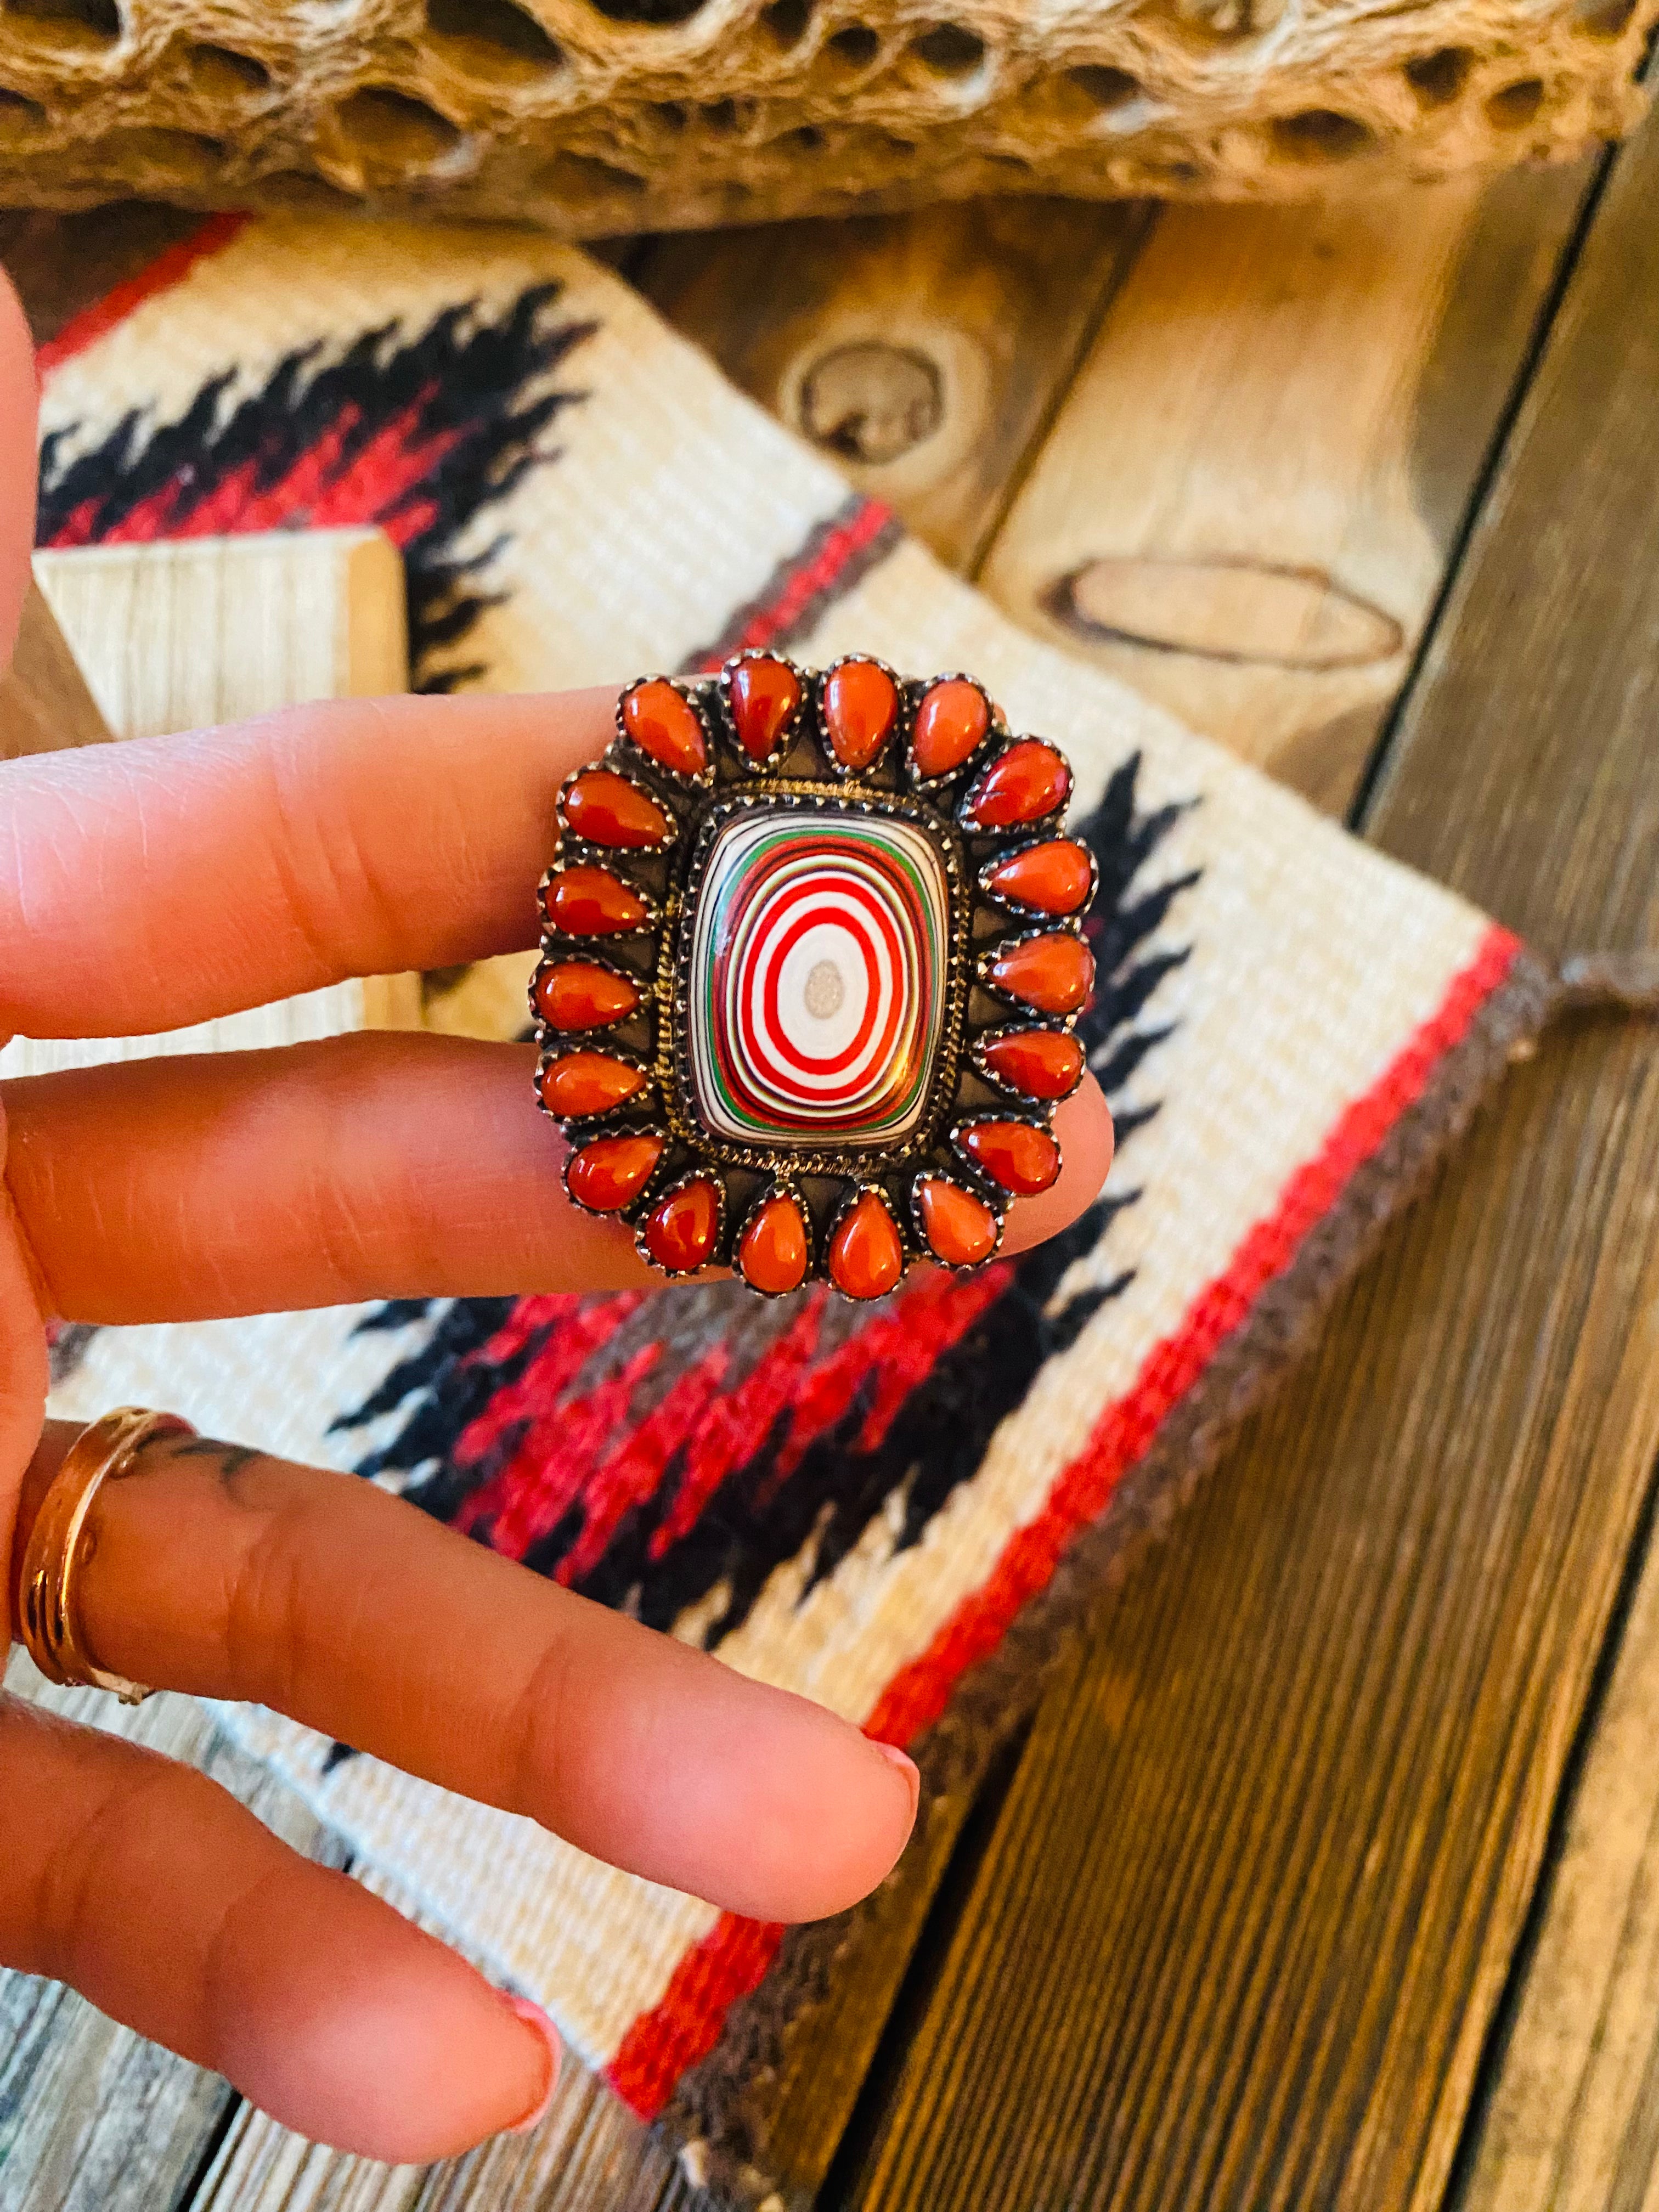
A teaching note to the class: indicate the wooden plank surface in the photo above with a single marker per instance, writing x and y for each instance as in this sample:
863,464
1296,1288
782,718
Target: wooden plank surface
1571,2124
1240,1933
923,353
161,637
1246,503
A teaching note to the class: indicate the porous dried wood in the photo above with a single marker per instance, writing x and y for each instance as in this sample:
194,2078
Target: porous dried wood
596,117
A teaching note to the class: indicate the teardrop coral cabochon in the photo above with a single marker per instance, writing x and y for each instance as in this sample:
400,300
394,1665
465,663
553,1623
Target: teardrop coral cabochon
818,966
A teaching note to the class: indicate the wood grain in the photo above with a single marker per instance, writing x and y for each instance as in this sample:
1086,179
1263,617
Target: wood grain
1572,2121
44,701
1245,505
1239,1937
924,353
285,617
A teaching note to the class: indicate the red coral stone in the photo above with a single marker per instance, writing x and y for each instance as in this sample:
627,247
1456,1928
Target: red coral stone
1022,784
961,1230
865,1256
764,694
1022,1159
680,1231
578,995
860,706
1054,877
1055,975
587,1083
606,1173
586,901
951,720
662,722
1042,1063
608,810
772,1253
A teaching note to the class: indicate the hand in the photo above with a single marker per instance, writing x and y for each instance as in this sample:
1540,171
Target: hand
153,884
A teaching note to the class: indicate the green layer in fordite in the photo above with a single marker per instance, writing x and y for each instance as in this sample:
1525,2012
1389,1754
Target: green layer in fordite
818,972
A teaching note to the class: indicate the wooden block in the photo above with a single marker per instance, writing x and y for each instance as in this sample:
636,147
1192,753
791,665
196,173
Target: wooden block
1246,504
44,702
1240,1932
291,616
181,634
924,353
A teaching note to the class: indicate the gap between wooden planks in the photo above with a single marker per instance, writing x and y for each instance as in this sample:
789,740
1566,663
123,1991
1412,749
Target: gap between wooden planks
1240,1934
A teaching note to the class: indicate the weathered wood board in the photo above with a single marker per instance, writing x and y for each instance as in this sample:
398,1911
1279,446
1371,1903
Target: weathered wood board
1240,1934
1245,506
925,352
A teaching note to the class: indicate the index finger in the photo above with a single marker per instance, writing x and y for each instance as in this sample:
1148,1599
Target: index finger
169,880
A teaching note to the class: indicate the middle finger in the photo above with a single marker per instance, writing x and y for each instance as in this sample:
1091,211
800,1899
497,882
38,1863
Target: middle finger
379,1165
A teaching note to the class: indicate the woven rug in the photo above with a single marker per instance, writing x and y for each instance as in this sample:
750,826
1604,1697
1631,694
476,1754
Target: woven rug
897,1509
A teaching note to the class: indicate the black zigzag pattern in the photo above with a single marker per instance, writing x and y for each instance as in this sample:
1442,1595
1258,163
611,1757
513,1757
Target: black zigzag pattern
238,460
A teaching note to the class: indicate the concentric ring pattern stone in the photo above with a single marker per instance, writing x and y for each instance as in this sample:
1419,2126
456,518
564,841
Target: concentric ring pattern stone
818,973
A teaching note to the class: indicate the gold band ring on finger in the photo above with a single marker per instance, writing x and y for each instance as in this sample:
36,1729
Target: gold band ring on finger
61,1542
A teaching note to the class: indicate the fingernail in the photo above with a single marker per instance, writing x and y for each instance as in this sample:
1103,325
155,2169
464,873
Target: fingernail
907,1766
533,2016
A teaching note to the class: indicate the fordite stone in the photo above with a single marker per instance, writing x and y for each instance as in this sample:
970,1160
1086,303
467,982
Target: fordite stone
810,957
818,957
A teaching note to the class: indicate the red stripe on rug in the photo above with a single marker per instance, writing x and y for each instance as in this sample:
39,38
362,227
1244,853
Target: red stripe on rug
683,2028
167,270
789,597
668,2041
